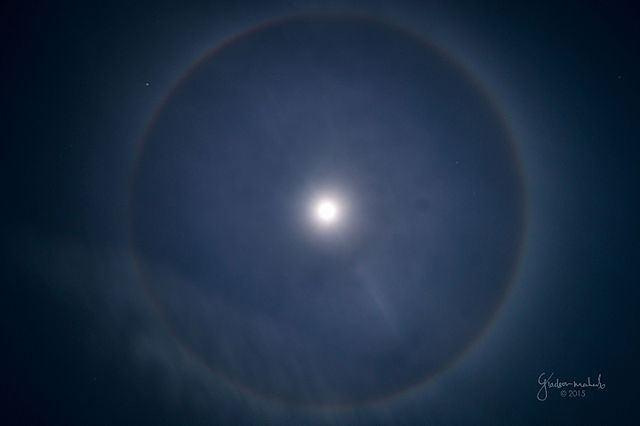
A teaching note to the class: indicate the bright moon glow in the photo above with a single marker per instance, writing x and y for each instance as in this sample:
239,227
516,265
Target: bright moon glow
327,211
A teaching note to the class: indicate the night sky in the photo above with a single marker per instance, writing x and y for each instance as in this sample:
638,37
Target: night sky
313,213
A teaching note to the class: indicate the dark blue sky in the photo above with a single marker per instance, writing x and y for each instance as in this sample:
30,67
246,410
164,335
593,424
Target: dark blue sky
162,264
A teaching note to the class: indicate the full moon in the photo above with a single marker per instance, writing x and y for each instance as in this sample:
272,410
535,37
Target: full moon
327,211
